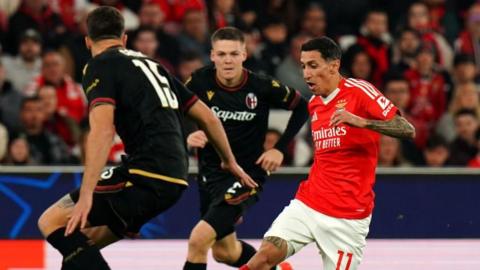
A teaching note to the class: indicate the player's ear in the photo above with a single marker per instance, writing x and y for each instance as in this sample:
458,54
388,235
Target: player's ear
212,55
124,40
334,66
88,43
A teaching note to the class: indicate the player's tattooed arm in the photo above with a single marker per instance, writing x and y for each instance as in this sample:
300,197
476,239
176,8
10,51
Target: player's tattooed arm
276,241
397,127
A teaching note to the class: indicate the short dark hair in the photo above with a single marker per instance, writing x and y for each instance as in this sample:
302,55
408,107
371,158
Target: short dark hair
105,22
228,33
26,100
436,141
326,46
463,59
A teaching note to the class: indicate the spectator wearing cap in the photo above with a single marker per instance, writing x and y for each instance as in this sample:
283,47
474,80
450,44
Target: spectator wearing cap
10,100
23,68
71,99
468,42
274,47
38,15
428,89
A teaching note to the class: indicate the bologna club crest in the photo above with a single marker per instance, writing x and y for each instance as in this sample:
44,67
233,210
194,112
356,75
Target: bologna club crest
251,101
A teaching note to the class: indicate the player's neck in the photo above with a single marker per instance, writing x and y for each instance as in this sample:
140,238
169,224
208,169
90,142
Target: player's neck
236,81
101,46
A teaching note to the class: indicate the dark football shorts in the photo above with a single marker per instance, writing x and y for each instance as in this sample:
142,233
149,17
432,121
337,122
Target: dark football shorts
223,202
125,206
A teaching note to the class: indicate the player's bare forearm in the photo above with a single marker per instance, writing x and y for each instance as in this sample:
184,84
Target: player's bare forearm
213,128
398,127
99,142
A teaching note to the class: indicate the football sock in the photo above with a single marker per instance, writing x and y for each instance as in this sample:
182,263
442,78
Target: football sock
194,266
247,252
77,250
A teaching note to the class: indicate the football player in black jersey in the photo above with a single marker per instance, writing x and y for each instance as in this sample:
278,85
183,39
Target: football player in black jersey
138,98
241,99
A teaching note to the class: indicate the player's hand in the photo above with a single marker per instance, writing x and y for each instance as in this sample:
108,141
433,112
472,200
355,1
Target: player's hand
270,160
79,214
345,117
240,174
197,139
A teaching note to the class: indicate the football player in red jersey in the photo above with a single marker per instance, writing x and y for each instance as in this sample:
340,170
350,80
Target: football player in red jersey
333,206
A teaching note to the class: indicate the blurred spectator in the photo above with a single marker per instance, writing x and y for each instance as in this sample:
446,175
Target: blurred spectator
274,46
390,153
405,50
290,71
475,162
3,141
189,62
288,9
131,19
10,100
464,147
144,40
23,68
464,69
345,16
375,41
151,15
436,152
253,46
427,94
420,20
194,35
67,9
45,147
71,99
60,125
314,21
38,15
466,96
468,40
358,64
221,13
19,152
73,49
397,91
173,11
444,19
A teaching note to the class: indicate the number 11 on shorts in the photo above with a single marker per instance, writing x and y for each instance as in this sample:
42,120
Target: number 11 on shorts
340,258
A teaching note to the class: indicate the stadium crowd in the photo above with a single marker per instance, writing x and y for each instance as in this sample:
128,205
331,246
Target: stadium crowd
423,55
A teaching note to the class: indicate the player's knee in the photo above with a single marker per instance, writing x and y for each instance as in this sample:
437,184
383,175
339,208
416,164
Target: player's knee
222,255
48,222
197,244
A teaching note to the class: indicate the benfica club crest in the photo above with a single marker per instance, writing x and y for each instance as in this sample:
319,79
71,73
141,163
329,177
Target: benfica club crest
251,101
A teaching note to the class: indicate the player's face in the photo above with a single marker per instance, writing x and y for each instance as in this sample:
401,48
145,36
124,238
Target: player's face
319,73
228,56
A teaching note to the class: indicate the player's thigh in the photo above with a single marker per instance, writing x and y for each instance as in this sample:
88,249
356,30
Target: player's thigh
341,241
294,226
56,216
222,213
102,236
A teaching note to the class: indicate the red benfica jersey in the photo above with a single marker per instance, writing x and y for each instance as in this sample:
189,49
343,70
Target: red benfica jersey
343,173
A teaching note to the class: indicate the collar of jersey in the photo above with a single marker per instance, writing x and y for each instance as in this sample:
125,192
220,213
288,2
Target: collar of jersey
330,97
235,88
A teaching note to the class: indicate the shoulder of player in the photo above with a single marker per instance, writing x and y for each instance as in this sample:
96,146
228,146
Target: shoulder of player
204,72
262,82
361,88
